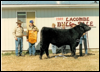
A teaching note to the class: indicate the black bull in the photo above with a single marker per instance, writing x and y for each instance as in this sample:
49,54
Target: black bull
61,37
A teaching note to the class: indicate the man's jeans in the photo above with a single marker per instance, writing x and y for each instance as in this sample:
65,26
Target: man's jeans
18,42
53,49
32,49
63,49
85,45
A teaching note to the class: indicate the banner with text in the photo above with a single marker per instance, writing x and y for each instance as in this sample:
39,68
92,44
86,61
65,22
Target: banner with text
69,20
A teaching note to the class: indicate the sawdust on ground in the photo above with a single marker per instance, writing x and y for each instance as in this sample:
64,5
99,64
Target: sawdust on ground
33,63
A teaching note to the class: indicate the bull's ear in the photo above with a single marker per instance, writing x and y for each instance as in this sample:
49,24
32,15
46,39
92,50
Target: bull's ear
80,23
81,28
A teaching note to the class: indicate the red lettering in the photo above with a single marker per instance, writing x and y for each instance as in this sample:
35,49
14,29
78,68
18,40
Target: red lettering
83,22
66,23
77,19
74,19
70,23
58,24
78,22
66,19
87,23
80,19
84,19
91,23
71,19
61,22
59,18
87,18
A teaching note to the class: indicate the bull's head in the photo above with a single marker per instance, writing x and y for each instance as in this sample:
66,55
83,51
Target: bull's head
84,27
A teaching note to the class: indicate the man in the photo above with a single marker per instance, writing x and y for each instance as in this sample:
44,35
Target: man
83,37
32,46
53,46
63,49
18,35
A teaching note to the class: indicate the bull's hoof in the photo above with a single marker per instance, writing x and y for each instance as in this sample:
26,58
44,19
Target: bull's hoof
72,55
40,58
85,54
75,57
48,56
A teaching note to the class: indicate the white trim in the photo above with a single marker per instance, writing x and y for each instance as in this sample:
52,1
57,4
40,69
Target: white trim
35,19
26,15
53,6
93,26
26,22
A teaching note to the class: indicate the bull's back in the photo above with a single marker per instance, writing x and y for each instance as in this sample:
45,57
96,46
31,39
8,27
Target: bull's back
46,34
46,31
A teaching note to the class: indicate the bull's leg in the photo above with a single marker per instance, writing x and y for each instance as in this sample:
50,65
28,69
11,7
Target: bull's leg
41,53
41,48
73,51
44,47
47,51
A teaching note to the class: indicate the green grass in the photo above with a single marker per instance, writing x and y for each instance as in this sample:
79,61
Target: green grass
24,52
6,54
27,52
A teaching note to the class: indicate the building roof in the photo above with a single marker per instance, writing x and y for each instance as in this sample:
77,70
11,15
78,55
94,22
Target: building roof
46,2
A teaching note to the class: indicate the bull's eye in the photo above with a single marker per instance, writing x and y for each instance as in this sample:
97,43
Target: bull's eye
83,27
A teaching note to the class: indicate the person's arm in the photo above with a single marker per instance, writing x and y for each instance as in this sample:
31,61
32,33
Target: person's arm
27,35
22,29
83,34
36,29
14,33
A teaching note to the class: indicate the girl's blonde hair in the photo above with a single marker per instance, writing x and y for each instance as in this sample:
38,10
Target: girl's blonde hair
63,24
53,24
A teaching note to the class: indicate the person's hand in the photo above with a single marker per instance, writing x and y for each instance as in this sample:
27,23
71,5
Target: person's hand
27,40
15,38
34,29
83,33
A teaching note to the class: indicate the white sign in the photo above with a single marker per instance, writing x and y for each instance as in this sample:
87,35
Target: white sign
69,20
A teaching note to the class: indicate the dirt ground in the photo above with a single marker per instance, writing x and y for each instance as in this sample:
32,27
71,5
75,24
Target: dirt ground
33,63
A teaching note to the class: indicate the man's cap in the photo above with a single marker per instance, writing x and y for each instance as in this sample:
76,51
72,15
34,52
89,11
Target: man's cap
31,21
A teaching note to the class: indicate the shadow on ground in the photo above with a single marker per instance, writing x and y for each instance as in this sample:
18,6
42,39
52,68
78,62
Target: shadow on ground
77,54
